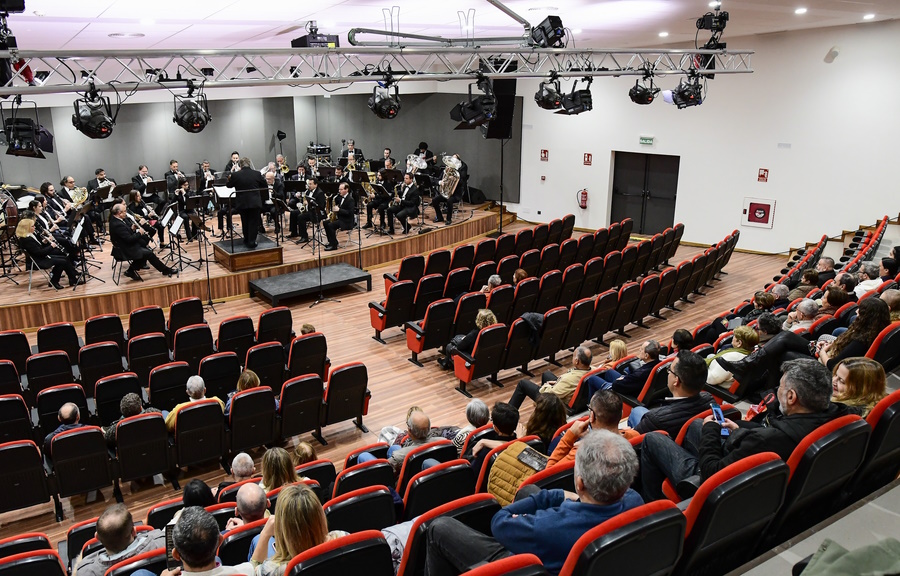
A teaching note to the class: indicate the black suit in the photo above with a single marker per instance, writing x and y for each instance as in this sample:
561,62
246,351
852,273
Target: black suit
142,210
45,256
274,209
312,214
357,154
230,166
248,204
172,180
456,197
96,213
131,246
141,187
408,206
345,218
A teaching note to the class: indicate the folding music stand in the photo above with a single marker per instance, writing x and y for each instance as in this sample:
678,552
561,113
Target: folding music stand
325,172
376,165
79,239
157,187
423,181
225,200
282,208
122,189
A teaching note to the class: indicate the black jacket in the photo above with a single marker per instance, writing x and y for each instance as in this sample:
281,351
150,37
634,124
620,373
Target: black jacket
38,251
673,413
138,183
411,199
826,276
777,433
633,382
129,242
172,180
346,211
357,154
248,179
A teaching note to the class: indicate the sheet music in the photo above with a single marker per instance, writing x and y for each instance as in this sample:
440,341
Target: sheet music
167,216
76,235
176,225
223,191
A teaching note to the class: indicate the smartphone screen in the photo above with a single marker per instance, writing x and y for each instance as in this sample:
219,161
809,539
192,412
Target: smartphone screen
171,562
720,418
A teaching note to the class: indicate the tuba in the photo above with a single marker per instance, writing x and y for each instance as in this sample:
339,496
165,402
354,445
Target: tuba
451,176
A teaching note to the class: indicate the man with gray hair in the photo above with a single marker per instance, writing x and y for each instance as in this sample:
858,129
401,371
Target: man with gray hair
802,316
478,414
196,538
825,267
419,427
869,279
546,523
493,282
780,291
196,391
564,386
251,506
804,404
242,468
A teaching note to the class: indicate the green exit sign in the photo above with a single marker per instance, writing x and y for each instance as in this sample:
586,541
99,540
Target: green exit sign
646,140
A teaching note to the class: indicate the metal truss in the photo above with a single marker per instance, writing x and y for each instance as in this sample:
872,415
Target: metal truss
69,72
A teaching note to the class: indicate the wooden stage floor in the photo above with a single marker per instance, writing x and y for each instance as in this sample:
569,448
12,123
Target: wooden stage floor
19,310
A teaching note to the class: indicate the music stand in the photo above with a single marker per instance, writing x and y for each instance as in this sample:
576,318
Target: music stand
157,188
174,229
376,165
263,198
122,189
359,176
423,182
281,207
329,188
318,238
192,206
382,192
79,239
325,172
357,189
225,200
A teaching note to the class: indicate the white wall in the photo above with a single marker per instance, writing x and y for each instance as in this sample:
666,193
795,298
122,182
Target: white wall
840,120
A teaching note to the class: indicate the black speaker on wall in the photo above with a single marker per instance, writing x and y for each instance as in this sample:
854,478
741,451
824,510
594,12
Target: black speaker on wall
500,127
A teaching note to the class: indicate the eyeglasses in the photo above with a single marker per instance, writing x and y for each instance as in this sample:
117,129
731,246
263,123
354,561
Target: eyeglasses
672,372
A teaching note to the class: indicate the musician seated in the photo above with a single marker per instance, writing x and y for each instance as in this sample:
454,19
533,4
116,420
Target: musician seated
379,202
406,205
234,164
314,202
46,226
339,175
172,177
276,192
63,206
140,181
69,192
425,154
182,193
345,209
205,175
450,190
352,153
45,254
146,217
52,211
302,173
131,243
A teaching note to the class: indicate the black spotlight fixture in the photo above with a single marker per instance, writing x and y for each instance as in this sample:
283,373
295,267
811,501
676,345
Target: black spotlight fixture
382,102
686,94
476,110
93,115
549,33
192,111
577,101
641,94
548,96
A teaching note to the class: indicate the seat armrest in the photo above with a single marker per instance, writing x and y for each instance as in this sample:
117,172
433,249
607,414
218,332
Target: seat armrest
390,277
415,327
689,486
465,356
378,307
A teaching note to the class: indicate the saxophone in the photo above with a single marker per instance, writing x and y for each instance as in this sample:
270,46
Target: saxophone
329,208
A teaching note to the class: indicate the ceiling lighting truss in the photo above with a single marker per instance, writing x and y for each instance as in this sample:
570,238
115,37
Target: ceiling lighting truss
127,70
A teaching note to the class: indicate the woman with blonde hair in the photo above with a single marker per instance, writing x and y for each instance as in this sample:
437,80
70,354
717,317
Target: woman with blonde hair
304,453
277,469
297,525
859,383
617,350
246,381
466,342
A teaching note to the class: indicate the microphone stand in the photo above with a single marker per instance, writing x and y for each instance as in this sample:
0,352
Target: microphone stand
318,240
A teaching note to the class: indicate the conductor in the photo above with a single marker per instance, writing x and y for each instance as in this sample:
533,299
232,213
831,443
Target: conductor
246,183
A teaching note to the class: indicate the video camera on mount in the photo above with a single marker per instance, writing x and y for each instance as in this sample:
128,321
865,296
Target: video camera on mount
715,22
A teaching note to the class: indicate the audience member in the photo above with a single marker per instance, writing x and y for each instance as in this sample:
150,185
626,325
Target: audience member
859,383
519,275
69,419
681,340
743,342
505,419
685,379
604,413
825,268
115,531
871,318
869,278
418,425
631,382
549,414
304,453
762,302
888,269
617,350
196,539
297,525
493,282
892,299
809,281
246,381
196,391
130,405
833,298
564,386
307,329
803,405
848,283
197,493
780,291
277,469
242,468
466,342
478,414
546,523
251,505
801,316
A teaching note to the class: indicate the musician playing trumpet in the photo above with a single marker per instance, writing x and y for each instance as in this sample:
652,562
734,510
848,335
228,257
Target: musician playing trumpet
146,217
172,178
46,254
140,181
99,182
405,205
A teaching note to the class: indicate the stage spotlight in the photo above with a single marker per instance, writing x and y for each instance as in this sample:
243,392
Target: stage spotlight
640,94
93,115
549,33
192,112
21,134
577,101
383,104
476,110
547,96
686,94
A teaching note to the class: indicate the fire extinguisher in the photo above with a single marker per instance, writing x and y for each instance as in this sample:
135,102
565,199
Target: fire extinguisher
582,198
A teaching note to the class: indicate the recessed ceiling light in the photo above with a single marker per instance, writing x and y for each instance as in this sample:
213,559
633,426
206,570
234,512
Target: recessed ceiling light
663,34
126,35
800,11
715,4
147,22
868,17
577,31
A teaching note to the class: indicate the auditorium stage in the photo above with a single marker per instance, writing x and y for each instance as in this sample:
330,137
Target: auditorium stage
19,310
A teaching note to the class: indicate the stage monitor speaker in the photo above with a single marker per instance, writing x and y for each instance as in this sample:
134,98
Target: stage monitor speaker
500,128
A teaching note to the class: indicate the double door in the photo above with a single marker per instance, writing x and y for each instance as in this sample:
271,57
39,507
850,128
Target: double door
645,189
